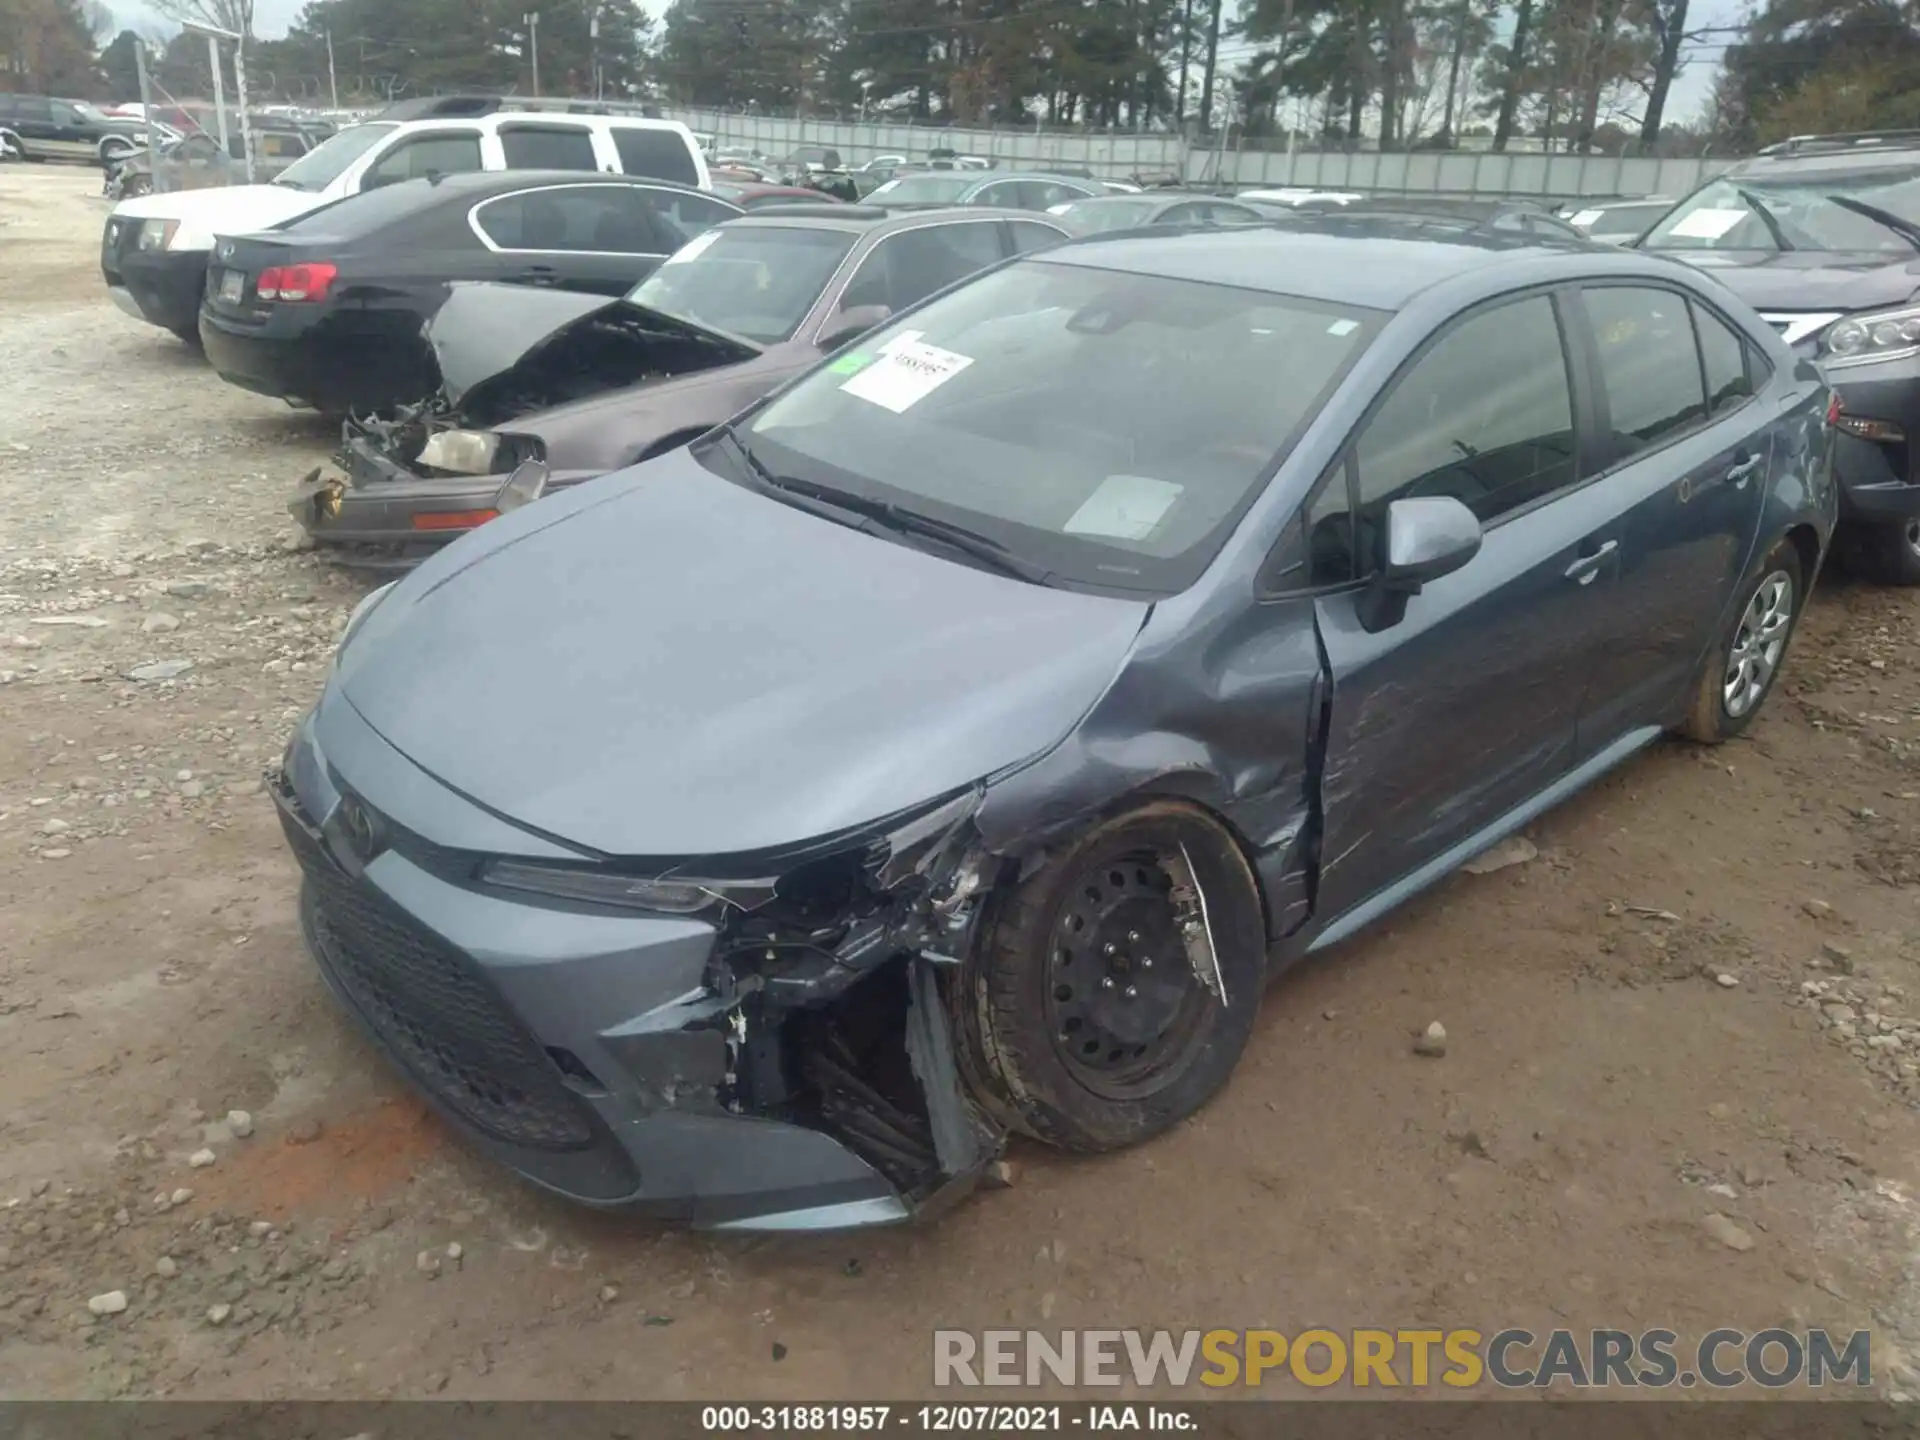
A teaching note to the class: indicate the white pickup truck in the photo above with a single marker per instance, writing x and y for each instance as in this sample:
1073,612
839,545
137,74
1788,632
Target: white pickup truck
153,254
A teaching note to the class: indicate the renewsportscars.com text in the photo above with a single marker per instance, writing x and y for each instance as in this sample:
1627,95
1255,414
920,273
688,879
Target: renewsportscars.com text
1389,1359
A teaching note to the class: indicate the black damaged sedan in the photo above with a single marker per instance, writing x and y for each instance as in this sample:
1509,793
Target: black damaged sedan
326,311
957,742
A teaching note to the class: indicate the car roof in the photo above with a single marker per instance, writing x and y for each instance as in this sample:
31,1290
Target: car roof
473,182
1815,154
1371,263
859,219
496,119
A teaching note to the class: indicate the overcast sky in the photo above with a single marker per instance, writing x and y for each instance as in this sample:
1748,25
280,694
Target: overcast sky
271,17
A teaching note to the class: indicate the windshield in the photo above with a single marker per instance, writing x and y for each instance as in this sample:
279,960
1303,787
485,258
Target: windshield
915,189
1089,217
1103,427
757,282
1623,220
327,161
1799,210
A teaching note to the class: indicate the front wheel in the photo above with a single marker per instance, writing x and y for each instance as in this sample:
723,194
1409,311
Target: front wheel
1740,672
1886,552
1114,989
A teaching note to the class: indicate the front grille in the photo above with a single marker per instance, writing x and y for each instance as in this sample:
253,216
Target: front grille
435,1010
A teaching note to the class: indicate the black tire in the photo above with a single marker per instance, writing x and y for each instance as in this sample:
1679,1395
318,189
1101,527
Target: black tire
1032,1065
1887,553
135,186
1717,712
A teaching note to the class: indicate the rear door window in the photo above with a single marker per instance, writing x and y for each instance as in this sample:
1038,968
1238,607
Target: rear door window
548,147
608,219
1030,235
1649,366
660,154
1723,356
420,156
904,269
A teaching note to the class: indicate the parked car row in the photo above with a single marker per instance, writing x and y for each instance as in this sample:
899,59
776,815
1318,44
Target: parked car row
993,657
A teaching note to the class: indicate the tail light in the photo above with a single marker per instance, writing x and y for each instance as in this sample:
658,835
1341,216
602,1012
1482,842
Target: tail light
1833,407
296,284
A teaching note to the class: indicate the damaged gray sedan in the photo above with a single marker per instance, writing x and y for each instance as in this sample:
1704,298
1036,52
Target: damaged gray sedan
543,389
957,743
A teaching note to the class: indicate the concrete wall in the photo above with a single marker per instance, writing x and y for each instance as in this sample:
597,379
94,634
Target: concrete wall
1120,155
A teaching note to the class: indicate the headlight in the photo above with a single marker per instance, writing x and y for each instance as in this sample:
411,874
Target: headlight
465,452
359,615
598,887
157,234
1867,339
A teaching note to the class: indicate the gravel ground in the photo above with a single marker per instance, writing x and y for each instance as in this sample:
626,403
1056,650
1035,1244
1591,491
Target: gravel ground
1616,1136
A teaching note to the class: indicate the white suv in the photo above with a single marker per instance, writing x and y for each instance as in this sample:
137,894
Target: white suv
153,255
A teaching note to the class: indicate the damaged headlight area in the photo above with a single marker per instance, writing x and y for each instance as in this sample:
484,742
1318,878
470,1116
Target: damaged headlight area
832,987
430,439
460,452
601,887
157,234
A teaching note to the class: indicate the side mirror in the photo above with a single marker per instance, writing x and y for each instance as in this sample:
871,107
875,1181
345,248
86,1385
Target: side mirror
1423,539
850,325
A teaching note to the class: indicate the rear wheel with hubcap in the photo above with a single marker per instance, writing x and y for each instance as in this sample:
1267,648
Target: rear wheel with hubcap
1739,674
1114,989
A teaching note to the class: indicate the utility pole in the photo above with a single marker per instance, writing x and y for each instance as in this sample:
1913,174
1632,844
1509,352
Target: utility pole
593,49
533,44
1213,56
146,109
1186,56
333,84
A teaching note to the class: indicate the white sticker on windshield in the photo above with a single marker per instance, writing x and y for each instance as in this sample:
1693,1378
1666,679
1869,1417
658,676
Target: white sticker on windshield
1707,224
692,248
906,372
1343,327
1125,507
1583,219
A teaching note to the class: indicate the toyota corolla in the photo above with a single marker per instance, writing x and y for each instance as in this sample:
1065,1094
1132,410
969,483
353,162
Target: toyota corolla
956,743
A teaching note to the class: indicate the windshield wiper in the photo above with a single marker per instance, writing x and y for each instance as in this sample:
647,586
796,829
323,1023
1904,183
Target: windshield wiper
825,501
1905,229
1766,218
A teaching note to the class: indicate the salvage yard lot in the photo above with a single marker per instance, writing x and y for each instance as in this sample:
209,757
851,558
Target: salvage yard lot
1603,1092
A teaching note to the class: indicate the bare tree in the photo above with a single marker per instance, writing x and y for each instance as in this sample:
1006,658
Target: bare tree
99,21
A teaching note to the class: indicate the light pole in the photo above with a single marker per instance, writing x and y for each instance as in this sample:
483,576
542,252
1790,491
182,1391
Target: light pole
533,45
333,85
593,49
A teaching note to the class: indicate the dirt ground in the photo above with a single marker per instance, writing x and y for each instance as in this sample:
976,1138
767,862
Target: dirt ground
1604,1090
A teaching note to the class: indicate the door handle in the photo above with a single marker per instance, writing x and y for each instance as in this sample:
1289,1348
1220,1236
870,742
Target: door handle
1586,567
1742,471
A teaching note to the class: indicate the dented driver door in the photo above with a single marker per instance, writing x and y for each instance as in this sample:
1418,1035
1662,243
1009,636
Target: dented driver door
1466,706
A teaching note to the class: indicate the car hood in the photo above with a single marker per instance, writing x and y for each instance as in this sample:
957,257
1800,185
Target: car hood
1808,279
625,422
223,210
485,333
663,664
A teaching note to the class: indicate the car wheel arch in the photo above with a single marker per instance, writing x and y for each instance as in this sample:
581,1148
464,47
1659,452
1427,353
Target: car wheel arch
1806,541
1199,789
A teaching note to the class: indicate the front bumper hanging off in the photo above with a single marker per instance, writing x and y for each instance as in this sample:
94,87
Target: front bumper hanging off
610,1058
